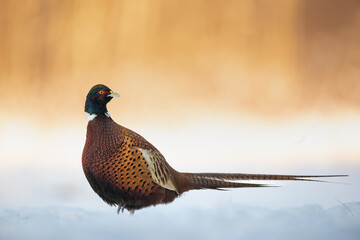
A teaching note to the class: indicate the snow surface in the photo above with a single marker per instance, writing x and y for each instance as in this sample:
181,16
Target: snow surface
55,203
237,222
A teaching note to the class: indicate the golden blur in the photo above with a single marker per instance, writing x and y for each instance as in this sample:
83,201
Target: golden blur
262,57
173,62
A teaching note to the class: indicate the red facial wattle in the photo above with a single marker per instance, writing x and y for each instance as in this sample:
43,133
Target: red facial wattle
102,93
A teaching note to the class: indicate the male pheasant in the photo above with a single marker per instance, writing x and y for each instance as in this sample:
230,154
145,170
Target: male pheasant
124,169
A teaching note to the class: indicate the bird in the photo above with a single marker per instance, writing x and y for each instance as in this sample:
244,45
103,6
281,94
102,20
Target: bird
127,171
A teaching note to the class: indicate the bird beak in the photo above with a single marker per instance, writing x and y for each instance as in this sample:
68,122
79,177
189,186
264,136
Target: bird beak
113,94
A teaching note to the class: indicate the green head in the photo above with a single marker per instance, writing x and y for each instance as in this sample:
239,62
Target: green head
97,98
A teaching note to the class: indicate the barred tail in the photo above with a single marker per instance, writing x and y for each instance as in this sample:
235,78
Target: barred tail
230,180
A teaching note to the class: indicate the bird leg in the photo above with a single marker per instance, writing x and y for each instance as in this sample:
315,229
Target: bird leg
121,208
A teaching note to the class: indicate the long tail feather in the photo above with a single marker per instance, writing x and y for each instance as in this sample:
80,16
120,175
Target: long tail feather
229,180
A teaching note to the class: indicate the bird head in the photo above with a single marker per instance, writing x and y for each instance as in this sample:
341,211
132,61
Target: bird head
97,98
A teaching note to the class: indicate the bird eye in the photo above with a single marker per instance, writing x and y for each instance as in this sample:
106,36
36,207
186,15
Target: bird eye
102,93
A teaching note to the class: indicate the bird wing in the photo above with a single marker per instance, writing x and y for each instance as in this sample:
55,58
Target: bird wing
160,171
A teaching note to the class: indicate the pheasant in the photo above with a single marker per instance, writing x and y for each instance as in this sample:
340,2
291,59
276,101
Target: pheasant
124,169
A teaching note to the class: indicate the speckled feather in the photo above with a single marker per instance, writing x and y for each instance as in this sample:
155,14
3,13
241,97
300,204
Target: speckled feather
117,170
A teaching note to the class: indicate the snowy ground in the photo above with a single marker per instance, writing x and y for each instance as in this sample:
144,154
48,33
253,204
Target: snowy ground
57,204
45,195
227,222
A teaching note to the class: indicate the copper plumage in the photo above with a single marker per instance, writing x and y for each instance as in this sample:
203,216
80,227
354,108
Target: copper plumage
124,169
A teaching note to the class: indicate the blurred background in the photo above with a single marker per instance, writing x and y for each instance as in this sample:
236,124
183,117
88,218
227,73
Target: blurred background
230,86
